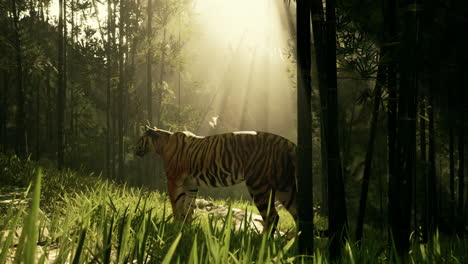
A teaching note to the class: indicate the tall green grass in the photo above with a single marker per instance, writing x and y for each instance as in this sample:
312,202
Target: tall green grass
76,218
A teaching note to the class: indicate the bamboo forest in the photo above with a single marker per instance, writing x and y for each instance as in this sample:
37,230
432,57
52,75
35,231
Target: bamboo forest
233,131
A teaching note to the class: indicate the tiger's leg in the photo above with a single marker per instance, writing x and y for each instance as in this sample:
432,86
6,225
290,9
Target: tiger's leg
191,192
288,199
264,200
175,190
182,197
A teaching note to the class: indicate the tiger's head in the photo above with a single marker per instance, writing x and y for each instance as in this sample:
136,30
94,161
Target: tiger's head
152,141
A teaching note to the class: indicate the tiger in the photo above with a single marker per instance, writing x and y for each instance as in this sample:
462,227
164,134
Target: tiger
264,161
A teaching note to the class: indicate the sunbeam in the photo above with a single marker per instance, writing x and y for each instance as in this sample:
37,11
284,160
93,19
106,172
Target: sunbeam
241,49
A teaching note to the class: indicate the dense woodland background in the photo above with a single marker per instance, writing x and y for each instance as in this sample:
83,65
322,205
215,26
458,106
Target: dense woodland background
77,89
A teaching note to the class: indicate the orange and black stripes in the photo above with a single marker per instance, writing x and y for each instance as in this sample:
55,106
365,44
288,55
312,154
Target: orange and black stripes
264,161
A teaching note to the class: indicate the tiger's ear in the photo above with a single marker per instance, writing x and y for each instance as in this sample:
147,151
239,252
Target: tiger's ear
152,132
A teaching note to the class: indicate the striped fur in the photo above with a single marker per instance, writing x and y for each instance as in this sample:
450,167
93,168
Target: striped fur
264,161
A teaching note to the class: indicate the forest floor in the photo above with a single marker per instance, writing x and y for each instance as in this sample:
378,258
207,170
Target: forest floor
17,197
71,217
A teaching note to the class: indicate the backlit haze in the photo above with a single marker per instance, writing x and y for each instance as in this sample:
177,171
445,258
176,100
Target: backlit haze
242,51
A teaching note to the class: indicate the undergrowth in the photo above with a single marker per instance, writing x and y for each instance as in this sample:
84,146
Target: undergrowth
72,217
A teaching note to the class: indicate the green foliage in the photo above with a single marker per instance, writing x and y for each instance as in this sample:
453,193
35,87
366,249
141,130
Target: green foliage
15,171
79,218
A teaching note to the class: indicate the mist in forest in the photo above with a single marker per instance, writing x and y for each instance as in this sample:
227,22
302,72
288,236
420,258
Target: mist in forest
242,52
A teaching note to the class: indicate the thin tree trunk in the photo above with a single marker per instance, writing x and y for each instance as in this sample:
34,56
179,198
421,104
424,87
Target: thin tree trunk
161,80
381,202
127,75
149,61
65,46
114,94
392,106
72,84
390,13
451,158
423,176
337,216
114,137
159,94
49,125
452,173
304,129
4,111
72,110
61,90
179,119
432,180
461,156
20,113
108,90
65,73
38,124
120,95
148,164
370,151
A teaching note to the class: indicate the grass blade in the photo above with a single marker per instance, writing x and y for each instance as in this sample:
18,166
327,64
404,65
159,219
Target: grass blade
9,239
79,249
193,259
108,242
170,252
31,224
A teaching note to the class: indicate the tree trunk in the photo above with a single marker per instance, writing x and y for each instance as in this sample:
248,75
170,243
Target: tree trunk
423,175
179,71
390,13
320,45
149,60
20,112
127,72
4,111
114,136
148,162
38,124
304,129
451,158
65,78
392,106
120,152
432,180
49,122
65,69
400,215
72,83
161,80
61,90
159,103
461,156
370,151
337,216
108,89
